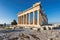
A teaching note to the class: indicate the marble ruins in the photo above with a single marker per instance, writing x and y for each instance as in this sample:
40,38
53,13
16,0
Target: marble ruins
32,17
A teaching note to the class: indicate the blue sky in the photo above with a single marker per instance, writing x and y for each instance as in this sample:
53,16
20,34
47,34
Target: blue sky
10,8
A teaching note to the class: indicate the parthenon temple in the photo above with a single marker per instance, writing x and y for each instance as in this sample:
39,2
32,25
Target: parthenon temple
32,17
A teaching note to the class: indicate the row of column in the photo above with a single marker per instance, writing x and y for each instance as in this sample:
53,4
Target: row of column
24,19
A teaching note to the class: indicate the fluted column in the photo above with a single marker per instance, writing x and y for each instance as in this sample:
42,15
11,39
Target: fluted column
23,19
38,18
19,20
26,18
29,18
33,17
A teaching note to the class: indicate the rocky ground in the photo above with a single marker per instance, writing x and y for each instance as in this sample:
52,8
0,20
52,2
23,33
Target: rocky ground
30,35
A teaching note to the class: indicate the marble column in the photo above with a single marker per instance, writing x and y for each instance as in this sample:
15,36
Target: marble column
23,19
38,18
29,18
33,17
20,19
26,18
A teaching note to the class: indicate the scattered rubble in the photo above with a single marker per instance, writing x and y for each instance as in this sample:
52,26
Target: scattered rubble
31,35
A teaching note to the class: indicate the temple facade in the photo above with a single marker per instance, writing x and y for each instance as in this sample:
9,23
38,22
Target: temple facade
32,17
